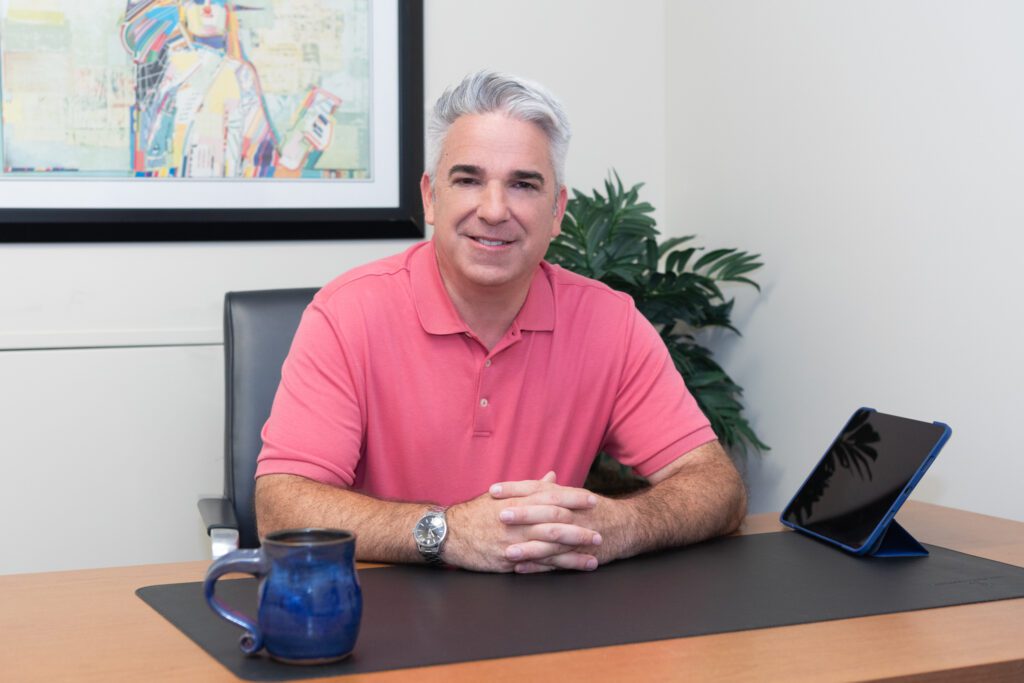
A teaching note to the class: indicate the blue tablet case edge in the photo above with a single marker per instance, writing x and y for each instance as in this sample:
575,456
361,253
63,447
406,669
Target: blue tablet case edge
896,541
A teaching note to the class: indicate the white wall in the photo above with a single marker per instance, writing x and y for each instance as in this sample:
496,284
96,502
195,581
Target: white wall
874,153
102,295
107,444
105,450
105,453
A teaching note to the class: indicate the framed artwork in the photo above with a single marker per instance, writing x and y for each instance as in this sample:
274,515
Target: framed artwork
171,120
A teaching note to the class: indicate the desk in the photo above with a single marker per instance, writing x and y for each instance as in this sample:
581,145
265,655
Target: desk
88,625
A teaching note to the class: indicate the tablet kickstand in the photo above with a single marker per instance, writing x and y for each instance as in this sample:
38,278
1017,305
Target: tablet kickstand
897,542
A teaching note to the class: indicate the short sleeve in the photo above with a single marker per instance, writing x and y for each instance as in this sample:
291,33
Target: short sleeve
655,418
316,425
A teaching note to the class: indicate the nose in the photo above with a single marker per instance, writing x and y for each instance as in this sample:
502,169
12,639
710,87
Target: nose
493,207
208,9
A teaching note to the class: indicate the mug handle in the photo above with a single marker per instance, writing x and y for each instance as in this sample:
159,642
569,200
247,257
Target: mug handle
248,561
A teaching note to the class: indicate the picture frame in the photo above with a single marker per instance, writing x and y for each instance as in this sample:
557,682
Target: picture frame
61,205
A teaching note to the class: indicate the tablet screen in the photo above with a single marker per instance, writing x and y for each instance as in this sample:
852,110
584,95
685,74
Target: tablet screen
862,474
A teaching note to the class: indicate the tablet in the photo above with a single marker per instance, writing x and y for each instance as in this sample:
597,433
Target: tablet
852,494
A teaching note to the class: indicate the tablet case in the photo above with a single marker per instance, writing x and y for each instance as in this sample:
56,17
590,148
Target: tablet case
896,541
889,539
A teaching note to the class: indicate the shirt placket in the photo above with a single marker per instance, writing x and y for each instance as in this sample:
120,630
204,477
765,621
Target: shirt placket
487,400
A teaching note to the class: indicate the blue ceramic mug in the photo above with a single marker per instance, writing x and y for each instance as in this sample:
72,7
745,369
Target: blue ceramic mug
310,603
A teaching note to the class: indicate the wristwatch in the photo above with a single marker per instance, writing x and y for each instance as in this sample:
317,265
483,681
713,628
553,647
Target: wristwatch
429,533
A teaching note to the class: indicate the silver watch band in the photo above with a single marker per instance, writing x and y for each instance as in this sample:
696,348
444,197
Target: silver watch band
431,552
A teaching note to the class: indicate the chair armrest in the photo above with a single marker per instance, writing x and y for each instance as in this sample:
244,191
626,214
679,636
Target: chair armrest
217,513
221,524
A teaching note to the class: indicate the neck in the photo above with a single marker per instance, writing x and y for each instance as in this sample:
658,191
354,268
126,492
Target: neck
488,311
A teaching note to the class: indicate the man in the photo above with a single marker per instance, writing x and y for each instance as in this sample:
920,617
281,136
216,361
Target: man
446,403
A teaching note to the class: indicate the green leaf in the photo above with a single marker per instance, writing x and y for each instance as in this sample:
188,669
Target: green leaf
652,254
711,257
746,281
670,244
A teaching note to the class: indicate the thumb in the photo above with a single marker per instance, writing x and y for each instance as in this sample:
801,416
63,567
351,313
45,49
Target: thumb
549,478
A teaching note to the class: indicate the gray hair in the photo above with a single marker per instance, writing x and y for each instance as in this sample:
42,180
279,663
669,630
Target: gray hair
489,91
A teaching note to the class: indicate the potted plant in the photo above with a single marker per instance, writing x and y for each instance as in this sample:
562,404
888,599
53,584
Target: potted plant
612,238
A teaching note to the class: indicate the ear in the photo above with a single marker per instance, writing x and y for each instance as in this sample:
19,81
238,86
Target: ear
427,193
560,203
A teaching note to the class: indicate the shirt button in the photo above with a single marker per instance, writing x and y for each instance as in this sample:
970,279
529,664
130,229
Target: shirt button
487,363
483,403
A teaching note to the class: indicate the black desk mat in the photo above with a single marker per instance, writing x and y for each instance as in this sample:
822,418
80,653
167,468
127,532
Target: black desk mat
420,616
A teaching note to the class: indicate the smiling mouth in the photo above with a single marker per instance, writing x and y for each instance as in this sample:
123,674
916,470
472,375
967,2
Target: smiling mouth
490,243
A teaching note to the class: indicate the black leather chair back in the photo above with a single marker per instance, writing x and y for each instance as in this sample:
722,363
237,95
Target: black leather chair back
258,331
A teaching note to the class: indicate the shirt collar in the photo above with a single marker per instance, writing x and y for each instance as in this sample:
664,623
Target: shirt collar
538,311
437,313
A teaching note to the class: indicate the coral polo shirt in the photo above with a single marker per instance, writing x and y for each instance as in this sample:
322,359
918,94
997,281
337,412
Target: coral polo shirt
387,391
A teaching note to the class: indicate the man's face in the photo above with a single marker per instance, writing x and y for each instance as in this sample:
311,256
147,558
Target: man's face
494,205
206,18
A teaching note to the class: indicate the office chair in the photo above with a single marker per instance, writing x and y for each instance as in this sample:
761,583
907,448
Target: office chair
258,330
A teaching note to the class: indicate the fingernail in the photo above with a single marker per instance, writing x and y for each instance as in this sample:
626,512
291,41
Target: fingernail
591,564
495,490
506,515
592,500
597,539
514,553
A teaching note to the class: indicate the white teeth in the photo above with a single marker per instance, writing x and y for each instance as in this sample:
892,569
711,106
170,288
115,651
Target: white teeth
490,243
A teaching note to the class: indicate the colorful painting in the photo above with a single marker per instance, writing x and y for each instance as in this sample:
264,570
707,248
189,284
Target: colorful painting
186,89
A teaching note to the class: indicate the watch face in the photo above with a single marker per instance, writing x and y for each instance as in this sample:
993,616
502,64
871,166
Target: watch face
430,530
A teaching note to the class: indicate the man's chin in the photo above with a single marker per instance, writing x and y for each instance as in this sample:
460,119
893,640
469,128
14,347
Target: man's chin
490,276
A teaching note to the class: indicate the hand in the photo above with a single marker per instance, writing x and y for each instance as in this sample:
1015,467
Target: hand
480,539
541,509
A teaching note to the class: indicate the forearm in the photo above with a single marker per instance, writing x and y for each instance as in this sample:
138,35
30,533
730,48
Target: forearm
702,498
477,539
383,528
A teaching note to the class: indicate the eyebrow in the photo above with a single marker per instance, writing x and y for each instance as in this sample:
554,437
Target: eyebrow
473,170
529,175
468,169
